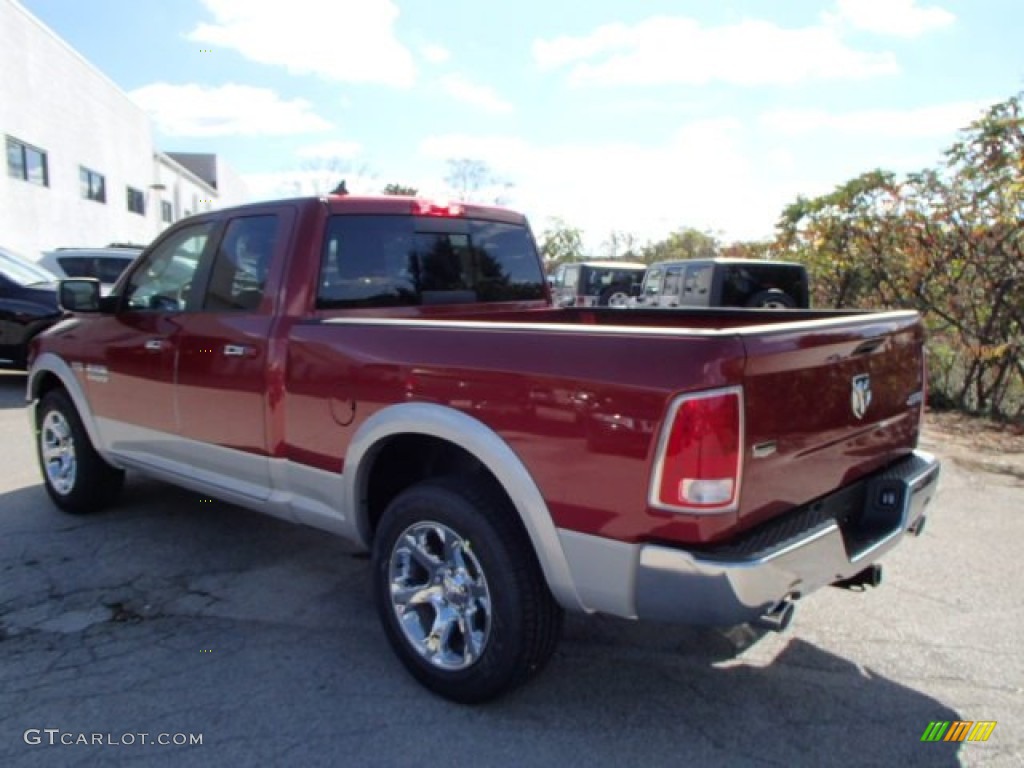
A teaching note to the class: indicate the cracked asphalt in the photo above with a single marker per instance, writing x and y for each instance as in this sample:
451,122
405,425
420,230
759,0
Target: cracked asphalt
171,615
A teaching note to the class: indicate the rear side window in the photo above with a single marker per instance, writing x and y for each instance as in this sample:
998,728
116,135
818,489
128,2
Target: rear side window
386,261
697,285
743,281
240,267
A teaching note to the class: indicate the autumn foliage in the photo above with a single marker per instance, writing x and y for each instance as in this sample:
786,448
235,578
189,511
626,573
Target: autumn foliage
948,242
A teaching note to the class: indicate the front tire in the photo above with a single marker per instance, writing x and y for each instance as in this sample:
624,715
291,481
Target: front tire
459,591
76,477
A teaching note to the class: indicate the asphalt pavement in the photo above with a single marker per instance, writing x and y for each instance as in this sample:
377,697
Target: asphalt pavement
173,630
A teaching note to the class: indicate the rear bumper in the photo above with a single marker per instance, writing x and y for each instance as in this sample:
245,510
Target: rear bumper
831,539
834,539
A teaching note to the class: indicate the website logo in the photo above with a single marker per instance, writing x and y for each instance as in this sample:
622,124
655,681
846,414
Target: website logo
958,730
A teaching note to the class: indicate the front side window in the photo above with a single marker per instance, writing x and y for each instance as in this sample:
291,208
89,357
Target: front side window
92,184
163,280
136,199
400,260
652,282
572,278
166,212
672,278
27,163
241,265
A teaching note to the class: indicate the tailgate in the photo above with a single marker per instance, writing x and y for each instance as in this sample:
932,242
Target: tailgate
827,403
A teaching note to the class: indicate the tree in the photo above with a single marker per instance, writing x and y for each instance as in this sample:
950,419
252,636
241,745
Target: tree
473,181
684,243
561,243
621,245
747,249
400,189
946,241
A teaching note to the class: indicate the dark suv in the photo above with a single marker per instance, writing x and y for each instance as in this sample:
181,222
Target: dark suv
28,305
724,283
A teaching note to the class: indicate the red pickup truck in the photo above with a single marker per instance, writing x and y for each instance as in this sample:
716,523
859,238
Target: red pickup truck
393,370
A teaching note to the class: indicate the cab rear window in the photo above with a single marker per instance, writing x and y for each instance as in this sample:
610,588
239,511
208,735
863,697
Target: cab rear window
402,260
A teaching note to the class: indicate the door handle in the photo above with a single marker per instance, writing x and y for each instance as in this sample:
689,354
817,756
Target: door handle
155,345
239,350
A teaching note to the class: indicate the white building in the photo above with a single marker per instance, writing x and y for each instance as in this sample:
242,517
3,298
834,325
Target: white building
81,168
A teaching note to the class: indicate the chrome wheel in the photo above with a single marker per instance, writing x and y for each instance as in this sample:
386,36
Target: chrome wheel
440,596
57,445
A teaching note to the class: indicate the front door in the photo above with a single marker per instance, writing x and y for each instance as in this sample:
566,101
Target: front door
130,373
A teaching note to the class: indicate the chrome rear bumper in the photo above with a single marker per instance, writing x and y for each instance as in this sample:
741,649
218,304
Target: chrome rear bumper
833,539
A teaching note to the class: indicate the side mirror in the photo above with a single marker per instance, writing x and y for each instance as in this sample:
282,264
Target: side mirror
80,294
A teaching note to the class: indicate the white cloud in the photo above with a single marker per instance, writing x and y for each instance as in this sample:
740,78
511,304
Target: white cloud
483,96
307,181
345,40
227,110
921,122
701,178
435,54
899,18
673,50
330,149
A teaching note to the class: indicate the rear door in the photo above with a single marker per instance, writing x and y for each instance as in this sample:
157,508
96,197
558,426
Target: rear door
221,388
671,287
696,285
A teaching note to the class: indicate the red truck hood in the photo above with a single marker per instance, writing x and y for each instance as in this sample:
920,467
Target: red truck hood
826,405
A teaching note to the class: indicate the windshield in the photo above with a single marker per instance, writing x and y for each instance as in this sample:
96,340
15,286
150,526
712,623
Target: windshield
22,271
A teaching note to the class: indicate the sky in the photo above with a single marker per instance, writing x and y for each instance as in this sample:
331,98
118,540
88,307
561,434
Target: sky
639,117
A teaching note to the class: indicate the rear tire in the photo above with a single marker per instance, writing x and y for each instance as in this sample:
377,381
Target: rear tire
76,477
614,296
459,591
773,298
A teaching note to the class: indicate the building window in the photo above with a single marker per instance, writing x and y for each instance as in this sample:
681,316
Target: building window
166,212
94,186
27,163
136,201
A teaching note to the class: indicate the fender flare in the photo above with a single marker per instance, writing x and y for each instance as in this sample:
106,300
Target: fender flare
52,364
480,441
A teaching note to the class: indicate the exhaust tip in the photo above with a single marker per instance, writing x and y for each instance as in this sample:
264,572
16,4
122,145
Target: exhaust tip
777,619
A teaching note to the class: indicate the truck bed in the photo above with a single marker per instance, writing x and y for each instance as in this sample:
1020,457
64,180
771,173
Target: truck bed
581,395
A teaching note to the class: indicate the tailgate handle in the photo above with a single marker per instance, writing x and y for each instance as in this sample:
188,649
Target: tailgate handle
868,346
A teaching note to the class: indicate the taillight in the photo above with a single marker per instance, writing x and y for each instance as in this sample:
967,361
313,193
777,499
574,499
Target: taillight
433,208
700,453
